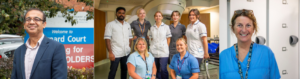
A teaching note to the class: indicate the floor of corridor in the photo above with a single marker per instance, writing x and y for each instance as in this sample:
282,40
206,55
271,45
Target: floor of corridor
102,70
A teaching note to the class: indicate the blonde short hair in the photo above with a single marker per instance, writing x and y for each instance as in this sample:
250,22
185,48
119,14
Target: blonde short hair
136,43
138,11
181,39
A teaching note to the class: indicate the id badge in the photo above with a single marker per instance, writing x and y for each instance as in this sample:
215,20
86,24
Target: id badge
200,50
148,76
178,77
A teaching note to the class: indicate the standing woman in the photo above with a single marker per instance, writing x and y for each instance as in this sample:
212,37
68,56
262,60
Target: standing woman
184,65
141,64
246,59
197,37
160,39
140,26
177,31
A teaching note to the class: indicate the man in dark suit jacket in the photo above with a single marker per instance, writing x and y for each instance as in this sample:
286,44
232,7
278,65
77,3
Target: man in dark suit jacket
40,57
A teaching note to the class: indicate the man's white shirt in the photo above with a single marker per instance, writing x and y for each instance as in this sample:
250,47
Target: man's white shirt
119,36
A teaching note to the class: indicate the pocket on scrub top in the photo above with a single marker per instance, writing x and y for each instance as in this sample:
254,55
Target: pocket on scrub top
160,47
151,49
201,51
194,48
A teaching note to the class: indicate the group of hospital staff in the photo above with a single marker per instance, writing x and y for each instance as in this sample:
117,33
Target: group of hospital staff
183,48
168,45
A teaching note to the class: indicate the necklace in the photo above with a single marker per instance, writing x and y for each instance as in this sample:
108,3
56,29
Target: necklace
248,64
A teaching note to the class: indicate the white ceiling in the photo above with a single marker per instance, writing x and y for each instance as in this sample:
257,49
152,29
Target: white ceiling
124,2
107,5
200,8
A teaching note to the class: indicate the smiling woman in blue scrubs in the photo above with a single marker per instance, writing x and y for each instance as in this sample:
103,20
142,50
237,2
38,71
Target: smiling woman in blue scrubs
184,65
141,64
247,60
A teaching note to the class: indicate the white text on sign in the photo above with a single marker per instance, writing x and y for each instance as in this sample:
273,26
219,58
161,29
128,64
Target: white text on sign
70,39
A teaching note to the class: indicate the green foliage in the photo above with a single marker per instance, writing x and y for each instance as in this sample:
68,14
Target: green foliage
6,66
12,13
84,73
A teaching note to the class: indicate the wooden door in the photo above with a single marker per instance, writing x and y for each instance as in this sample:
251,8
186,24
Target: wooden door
99,28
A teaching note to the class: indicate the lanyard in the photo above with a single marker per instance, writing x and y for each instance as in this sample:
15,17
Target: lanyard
146,64
179,68
248,64
141,29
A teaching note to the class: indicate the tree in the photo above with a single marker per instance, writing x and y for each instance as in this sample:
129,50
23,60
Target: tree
12,13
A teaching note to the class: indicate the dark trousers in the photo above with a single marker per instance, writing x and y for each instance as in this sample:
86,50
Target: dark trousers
170,59
161,66
199,62
114,67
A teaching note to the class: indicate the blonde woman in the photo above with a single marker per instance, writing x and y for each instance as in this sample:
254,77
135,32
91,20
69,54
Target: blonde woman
140,26
184,65
141,63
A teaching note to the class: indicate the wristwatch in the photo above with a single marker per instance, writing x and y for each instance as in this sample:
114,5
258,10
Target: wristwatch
153,75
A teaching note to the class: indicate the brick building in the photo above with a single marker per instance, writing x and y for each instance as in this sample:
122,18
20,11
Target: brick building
77,6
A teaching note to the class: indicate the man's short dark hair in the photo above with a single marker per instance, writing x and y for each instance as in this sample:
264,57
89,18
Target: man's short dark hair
120,8
44,16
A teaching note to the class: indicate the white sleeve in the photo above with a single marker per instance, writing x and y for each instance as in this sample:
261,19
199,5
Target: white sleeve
149,32
130,33
108,31
168,34
202,30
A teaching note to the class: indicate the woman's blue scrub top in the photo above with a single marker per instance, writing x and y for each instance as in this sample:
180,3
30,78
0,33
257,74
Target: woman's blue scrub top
262,66
187,68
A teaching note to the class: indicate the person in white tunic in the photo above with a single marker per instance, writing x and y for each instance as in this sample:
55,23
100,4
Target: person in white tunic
118,37
160,39
197,37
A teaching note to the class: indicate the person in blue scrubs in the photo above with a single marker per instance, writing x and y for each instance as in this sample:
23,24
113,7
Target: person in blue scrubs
184,65
141,64
246,59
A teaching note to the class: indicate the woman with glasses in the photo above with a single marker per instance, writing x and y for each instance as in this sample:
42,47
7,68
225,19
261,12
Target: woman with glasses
160,39
197,37
177,31
140,26
246,59
184,65
141,64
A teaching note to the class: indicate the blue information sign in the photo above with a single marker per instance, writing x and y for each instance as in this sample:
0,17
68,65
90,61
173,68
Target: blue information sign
69,35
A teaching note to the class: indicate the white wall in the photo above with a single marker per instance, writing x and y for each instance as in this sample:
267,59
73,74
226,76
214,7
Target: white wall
110,16
214,20
259,11
280,13
111,11
223,25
